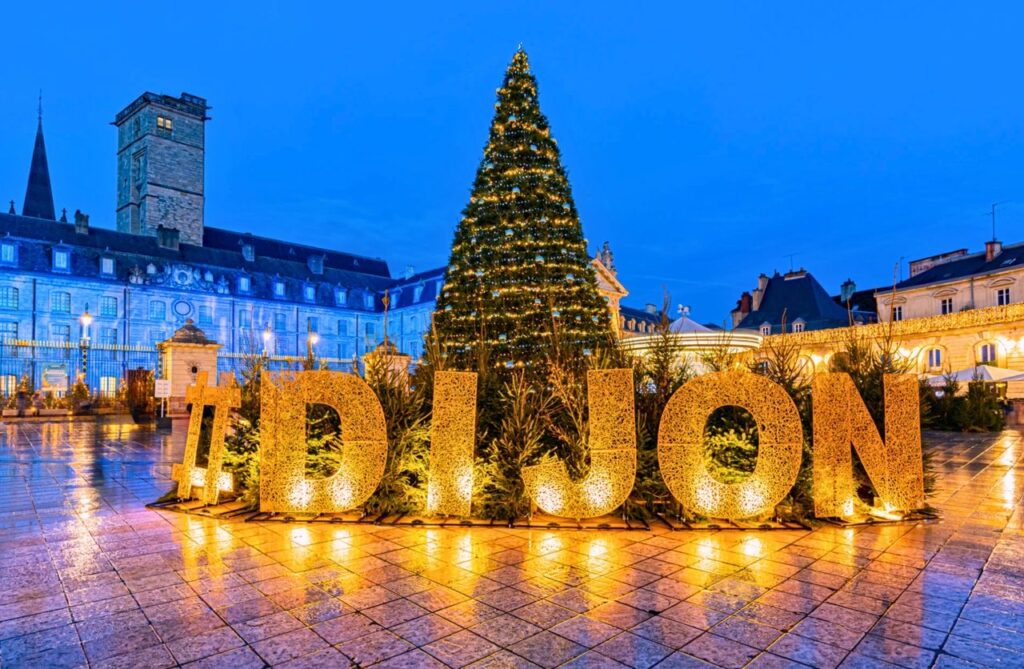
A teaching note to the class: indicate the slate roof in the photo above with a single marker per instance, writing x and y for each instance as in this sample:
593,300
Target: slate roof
221,255
1012,257
403,291
861,302
38,194
795,295
640,314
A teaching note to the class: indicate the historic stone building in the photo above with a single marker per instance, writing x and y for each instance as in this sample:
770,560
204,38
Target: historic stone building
77,297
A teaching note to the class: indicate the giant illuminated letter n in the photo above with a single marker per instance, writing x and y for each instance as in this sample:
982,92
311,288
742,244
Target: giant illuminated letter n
842,421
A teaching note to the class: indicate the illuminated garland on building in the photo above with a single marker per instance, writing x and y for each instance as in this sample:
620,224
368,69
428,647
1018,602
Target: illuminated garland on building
519,267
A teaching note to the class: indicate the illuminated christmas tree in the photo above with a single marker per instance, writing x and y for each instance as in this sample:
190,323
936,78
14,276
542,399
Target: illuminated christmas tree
519,272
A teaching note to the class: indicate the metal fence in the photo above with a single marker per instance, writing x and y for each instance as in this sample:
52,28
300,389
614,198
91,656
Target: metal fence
53,366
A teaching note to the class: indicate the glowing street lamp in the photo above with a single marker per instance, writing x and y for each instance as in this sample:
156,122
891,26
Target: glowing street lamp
267,336
86,320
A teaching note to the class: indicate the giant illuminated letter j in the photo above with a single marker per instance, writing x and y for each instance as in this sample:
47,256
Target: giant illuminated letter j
612,442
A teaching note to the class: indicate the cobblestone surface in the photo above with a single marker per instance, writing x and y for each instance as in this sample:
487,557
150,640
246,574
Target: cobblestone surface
91,577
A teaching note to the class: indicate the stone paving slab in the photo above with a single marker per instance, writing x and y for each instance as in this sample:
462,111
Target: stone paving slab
92,578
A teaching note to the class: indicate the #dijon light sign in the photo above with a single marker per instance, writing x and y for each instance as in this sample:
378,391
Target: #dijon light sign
841,425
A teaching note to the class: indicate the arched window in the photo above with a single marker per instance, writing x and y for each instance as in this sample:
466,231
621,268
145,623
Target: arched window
987,354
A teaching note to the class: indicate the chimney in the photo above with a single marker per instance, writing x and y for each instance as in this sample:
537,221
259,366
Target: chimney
81,222
167,238
846,290
762,284
992,250
742,308
410,271
315,263
651,309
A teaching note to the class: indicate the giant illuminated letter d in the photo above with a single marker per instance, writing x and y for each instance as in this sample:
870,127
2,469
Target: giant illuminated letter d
283,483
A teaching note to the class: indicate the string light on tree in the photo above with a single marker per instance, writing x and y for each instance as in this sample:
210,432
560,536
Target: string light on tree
519,270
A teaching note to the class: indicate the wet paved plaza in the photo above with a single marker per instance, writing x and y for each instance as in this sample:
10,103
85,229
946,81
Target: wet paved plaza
90,577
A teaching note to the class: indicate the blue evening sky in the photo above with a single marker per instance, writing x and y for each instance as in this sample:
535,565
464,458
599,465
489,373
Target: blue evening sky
705,142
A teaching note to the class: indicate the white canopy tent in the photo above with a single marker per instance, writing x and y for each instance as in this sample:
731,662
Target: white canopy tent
986,373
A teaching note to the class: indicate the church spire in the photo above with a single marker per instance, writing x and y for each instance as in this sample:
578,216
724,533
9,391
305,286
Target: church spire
39,195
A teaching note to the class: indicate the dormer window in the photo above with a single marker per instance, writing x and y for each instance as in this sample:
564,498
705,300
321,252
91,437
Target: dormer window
368,300
798,325
244,284
107,266
340,296
309,292
8,253
248,252
417,293
164,123
61,260
766,329
279,289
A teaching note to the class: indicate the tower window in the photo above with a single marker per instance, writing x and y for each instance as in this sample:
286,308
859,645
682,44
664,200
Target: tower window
164,123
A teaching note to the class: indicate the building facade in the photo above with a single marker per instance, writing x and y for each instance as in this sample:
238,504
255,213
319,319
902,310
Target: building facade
956,281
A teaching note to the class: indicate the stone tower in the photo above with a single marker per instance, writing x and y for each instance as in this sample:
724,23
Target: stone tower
160,153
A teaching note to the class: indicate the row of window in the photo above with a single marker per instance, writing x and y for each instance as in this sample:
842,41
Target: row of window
946,304
766,328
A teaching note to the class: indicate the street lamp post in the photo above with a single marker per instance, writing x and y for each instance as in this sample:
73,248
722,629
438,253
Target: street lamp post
86,321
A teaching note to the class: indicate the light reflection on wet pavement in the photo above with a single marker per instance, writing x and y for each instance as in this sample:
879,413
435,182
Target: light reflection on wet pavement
90,577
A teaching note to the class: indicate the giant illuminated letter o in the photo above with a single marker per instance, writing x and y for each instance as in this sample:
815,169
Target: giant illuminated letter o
284,487
681,445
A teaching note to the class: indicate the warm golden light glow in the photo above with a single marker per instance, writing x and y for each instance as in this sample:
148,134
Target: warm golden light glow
681,445
283,485
222,398
612,442
452,439
842,421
